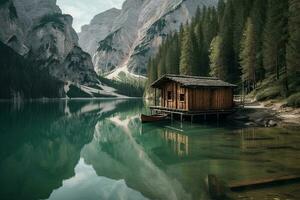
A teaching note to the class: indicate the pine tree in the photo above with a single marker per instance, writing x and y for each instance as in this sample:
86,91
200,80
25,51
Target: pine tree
227,56
258,13
187,58
221,9
149,71
248,55
241,13
293,47
172,55
216,68
275,36
200,58
154,75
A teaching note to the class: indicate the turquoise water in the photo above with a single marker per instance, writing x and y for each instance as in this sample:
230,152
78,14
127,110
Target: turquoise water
100,150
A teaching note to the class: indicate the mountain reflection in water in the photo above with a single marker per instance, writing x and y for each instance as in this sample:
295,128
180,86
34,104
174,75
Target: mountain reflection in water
100,150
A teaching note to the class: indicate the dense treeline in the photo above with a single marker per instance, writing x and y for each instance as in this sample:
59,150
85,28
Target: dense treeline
130,87
19,78
247,42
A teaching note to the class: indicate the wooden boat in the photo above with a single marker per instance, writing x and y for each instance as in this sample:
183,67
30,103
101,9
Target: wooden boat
152,118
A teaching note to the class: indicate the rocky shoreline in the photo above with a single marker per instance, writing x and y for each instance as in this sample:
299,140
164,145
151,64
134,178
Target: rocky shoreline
268,114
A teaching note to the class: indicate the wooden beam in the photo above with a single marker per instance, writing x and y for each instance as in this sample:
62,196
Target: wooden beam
238,185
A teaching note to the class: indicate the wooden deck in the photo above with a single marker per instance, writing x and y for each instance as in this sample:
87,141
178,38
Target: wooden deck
191,114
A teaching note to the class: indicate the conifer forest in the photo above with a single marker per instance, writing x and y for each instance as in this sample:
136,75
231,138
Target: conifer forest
252,43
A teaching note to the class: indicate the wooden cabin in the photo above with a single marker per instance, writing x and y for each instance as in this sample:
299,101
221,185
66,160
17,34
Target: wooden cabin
193,94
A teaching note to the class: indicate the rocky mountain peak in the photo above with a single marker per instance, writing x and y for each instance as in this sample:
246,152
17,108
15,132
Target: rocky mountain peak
125,42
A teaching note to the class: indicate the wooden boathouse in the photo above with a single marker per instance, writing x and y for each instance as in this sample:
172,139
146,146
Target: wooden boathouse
192,96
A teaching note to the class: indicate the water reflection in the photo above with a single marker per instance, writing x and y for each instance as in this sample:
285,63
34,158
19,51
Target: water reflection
41,143
88,186
251,138
178,142
100,150
115,144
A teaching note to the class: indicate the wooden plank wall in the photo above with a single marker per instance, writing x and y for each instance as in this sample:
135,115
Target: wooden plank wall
200,99
197,99
170,103
176,90
210,98
182,104
221,98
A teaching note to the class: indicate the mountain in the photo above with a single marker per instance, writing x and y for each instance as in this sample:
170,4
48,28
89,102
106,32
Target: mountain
20,78
123,40
44,37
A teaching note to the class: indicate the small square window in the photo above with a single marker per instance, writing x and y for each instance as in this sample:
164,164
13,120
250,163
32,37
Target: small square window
182,97
169,95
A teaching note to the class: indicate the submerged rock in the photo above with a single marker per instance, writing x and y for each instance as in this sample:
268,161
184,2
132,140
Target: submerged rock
251,124
240,117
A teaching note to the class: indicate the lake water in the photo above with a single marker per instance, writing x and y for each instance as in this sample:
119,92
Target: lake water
86,150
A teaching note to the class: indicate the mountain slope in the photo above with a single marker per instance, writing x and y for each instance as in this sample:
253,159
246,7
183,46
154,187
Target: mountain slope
20,78
135,34
39,32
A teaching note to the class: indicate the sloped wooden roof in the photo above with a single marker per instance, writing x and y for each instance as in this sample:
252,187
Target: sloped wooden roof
191,81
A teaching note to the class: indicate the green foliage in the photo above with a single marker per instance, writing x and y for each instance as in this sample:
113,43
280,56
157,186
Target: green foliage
268,93
2,2
248,53
227,55
157,27
293,48
188,65
244,42
106,44
294,100
127,87
275,37
258,17
22,78
75,92
215,63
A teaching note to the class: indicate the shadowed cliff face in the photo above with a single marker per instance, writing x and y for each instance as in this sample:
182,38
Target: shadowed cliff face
40,32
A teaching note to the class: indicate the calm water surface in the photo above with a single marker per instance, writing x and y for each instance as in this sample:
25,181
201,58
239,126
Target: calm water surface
82,150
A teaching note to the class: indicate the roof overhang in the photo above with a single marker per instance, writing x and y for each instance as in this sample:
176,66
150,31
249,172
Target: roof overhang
195,82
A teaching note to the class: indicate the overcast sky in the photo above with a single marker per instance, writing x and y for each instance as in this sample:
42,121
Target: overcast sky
84,10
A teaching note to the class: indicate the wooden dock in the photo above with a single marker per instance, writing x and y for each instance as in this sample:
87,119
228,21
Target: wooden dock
191,114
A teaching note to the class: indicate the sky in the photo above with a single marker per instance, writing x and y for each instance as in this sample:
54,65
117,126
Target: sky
84,10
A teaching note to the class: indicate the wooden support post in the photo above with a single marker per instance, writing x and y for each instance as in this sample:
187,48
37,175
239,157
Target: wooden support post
192,118
181,117
154,96
171,116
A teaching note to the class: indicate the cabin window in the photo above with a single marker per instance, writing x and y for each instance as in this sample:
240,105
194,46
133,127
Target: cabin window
169,95
182,97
